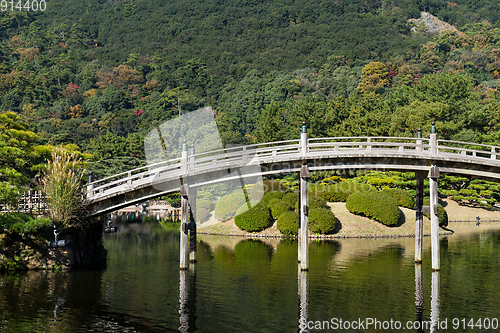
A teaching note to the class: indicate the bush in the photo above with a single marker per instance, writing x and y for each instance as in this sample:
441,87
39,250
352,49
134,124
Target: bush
442,214
226,207
243,208
340,192
403,198
255,219
290,199
22,222
257,191
375,205
278,207
203,209
314,202
271,195
322,221
288,223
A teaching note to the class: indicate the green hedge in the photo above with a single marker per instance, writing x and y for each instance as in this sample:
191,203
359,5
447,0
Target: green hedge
243,208
339,192
259,189
403,198
255,219
226,207
376,205
290,199
288,223
278,207
271,195
322,221
442,214
314,202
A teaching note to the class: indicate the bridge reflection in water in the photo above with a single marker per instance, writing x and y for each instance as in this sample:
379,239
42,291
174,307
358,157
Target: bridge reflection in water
187,305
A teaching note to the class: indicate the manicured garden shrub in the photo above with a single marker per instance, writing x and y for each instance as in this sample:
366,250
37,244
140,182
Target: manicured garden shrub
271,195
243,208
203,210
322,221
340,191
314,202
290,199
442,214
278,207
403,198
259,189
226,207
375,205
288,223
255,219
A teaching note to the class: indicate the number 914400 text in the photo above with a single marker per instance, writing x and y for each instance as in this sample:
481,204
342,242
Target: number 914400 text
28,5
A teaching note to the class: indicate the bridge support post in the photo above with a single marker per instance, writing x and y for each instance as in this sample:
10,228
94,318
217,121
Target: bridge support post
184,244
192,228
90,187
433,140
304,219
419,218
433,176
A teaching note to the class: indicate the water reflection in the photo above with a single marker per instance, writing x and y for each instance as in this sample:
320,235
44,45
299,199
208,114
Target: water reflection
435,302
303,300
419,297
187,299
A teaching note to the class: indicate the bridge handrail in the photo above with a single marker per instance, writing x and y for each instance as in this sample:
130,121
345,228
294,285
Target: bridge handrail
468,143
95,182
242,148
367,137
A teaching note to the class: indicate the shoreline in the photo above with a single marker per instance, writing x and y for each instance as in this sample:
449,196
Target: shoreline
352,226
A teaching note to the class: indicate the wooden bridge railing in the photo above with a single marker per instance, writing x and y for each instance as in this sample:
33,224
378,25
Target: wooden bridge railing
291,149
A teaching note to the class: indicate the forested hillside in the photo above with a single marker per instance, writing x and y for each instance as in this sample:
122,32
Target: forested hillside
102,74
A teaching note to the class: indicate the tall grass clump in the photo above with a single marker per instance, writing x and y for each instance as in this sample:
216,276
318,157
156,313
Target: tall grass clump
61,184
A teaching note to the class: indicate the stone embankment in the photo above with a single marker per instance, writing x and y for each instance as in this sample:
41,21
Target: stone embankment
32,251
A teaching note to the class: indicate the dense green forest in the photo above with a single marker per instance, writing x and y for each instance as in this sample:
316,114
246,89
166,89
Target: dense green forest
101,74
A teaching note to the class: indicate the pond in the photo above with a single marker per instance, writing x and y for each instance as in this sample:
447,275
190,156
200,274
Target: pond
255,286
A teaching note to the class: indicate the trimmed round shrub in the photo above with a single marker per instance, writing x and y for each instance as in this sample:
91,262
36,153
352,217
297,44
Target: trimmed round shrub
255,219
290,199
376,205
226,207
243,208
322,221
339,192
271,195
403,198
259,189
314,202
442,214
277,207
288,223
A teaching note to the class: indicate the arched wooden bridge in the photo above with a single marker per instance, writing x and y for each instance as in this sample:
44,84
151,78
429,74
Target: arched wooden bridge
426,157
319,154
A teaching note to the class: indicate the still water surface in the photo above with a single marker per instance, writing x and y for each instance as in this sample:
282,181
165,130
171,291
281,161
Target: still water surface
243,285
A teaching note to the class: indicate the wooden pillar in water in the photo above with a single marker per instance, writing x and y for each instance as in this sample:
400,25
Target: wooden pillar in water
433,176
419,216
184,242
304,219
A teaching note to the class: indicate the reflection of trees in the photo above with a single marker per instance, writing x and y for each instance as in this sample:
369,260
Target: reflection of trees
50,299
